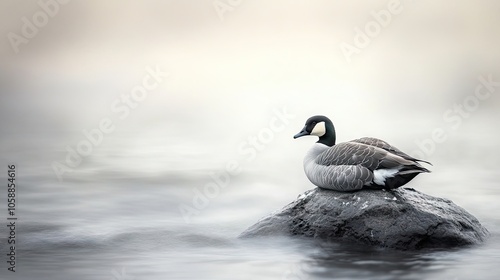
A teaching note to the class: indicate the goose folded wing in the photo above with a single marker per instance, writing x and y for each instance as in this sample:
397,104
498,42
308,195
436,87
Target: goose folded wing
350,153
386,146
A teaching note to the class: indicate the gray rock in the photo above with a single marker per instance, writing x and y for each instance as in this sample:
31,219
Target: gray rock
402,219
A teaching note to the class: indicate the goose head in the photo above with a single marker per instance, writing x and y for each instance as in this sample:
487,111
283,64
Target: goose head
320,126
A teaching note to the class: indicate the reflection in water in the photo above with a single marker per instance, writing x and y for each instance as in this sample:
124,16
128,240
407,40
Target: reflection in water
342,260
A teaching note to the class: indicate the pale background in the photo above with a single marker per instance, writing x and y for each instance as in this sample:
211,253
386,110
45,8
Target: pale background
227,76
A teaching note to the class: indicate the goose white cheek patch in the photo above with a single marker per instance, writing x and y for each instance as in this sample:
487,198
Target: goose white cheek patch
319,129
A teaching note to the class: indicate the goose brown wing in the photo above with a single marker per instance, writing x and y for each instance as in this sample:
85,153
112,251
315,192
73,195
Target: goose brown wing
386,146
350,153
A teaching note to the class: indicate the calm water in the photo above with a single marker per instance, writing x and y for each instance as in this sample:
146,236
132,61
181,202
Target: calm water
117,217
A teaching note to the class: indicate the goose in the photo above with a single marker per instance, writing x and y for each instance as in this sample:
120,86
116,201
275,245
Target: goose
365,163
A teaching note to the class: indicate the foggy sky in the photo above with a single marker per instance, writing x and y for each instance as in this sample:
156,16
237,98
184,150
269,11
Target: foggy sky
227,76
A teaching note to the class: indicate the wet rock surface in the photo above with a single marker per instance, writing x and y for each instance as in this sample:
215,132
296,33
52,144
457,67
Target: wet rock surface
401,219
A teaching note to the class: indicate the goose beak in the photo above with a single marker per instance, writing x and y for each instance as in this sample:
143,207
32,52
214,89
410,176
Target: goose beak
303,132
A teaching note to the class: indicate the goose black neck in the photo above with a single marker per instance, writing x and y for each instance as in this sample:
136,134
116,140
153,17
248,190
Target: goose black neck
329,137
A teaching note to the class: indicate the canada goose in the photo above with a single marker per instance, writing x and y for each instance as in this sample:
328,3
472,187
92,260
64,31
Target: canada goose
365,163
